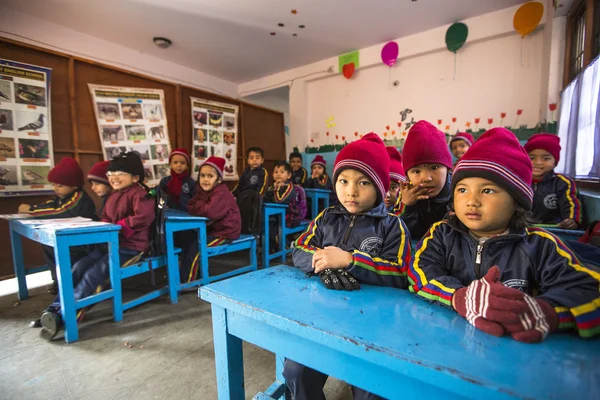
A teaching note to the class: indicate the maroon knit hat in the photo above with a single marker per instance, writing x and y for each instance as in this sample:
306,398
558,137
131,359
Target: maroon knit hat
467,137
319,160
217,163
67,172
425,144
397,173
98,173
544,141
369,156
498,156
180,152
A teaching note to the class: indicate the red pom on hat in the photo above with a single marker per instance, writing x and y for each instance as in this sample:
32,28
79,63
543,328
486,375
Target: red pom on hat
98,173
369,156
467,137
180,152
217,163
425,144
499,157
319,160
544,141
67,172
397,173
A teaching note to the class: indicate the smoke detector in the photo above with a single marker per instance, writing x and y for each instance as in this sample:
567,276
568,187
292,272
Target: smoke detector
162,42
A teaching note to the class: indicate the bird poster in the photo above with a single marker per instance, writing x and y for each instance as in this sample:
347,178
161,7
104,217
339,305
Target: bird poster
134,119
215,133
26,154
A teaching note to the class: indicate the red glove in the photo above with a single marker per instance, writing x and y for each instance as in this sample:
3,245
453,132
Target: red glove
536,323
488,305
126,230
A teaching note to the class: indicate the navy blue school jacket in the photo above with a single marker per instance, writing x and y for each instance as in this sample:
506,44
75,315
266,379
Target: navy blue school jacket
256,179
555,199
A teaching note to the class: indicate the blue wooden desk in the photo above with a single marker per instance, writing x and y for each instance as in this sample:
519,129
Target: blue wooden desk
386,341
62,240
315,195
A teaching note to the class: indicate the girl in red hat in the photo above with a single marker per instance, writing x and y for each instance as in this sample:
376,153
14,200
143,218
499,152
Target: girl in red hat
99,181
503,277
179,187
555,199
460,143
319,178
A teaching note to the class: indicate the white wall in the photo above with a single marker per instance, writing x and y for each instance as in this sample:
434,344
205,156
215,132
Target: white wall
25,28
489,80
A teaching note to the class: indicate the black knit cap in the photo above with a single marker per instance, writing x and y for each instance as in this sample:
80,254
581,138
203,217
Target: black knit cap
129,162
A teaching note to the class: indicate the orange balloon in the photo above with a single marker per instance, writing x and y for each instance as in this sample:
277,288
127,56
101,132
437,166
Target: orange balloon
528,17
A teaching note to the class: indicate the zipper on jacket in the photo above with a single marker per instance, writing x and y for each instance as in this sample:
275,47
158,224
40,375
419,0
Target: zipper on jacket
349,230
478,259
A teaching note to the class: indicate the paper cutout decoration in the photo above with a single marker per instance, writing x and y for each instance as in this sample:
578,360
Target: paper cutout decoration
528,17
329,122
348,70
389,54
456,36
349,58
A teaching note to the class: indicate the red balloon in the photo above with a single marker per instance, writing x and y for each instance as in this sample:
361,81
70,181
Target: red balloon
348,70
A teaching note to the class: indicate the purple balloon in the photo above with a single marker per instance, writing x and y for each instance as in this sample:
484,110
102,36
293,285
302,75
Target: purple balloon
389,53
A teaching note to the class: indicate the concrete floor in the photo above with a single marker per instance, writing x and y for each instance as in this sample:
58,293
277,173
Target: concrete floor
171,355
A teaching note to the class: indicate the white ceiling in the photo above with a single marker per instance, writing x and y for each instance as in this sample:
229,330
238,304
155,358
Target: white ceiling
230,39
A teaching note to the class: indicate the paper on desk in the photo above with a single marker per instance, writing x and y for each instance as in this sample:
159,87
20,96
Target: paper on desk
74,220
57,226
14,216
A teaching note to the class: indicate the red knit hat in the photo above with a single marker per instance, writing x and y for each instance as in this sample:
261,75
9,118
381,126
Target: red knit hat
98,173
397,173
498,156
425,144
369,156
217,163
180,152
467,137
67,172
544,141
319,160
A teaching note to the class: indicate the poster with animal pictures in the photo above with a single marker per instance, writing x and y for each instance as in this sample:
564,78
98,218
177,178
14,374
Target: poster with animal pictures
134,119
26,154
215,133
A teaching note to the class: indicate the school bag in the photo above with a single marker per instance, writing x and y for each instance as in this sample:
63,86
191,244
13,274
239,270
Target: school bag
592,234
158,242
250,204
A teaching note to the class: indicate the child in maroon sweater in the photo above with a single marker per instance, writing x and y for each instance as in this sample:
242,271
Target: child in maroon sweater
214,201
129,207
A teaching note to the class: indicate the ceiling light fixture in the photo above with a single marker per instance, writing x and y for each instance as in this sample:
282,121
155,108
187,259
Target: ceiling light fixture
162,42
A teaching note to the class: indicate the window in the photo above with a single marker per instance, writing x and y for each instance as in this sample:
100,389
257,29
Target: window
596,30
577,41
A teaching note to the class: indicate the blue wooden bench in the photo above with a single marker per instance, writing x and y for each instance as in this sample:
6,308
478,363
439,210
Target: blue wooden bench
278,211
316,195
177,221
386,341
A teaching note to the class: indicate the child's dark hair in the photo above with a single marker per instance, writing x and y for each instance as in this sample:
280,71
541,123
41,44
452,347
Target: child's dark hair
521,219
295,154
284,164
255,150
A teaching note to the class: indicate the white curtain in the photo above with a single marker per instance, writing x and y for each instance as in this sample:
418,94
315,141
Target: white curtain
579,125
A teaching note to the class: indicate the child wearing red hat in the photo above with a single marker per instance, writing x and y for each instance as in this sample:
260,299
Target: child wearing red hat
397,178
486,264
213,200
356,241
460,143
130,207
179,187
555,199
70,201
99,181
426,197
319,178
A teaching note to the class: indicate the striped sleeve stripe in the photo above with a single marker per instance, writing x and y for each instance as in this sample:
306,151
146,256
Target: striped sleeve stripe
377,265
65,207
565,318
304,239
574,203
404,251
265,180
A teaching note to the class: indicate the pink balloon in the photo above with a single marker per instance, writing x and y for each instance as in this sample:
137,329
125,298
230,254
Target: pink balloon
389,53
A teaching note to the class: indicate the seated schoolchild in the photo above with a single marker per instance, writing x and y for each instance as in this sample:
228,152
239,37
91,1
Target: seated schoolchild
100,184
319,179
179,186
397,178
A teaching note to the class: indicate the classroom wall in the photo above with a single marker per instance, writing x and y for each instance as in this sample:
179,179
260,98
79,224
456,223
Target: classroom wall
492,77
28,29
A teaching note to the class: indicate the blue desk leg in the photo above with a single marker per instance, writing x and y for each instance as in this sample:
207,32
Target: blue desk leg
203,256
282,237
114,266
229,360
172,263
265,239
279,360
314,205
65,288
18,264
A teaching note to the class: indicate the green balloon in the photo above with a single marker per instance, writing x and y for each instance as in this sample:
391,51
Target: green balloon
456,36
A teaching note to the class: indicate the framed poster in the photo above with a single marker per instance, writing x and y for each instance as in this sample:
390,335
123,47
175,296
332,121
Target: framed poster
26,154
134,119
215,133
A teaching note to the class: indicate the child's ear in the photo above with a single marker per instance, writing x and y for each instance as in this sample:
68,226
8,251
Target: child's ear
135,178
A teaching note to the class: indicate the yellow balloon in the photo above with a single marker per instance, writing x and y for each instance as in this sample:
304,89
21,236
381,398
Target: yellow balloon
528,17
